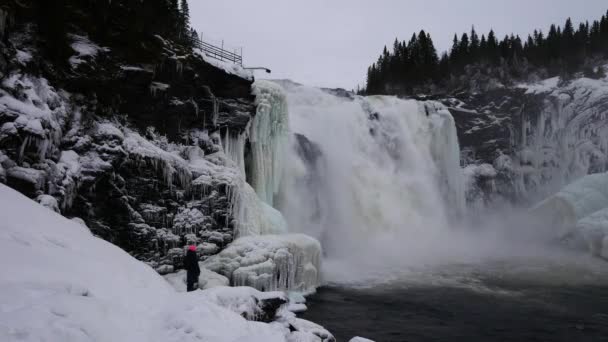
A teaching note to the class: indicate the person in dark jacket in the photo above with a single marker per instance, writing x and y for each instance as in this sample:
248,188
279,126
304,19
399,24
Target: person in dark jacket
191,266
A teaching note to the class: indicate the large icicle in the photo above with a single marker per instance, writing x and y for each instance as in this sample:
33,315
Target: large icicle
268,135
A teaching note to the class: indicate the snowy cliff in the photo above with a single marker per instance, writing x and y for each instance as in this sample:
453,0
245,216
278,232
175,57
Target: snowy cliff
524,143
153,145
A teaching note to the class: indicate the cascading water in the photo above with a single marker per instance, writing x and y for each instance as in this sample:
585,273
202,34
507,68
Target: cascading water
375,179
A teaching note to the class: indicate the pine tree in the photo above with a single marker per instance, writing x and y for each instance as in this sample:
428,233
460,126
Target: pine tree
474,47
184,23
493,53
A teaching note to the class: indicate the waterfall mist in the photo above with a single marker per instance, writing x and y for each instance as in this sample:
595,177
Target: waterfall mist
378,181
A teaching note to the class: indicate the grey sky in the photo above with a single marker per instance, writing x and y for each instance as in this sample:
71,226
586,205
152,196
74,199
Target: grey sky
331,43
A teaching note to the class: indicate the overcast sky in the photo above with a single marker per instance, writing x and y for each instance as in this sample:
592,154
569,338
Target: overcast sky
331,43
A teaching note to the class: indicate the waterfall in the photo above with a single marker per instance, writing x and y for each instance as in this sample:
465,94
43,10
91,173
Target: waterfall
389,181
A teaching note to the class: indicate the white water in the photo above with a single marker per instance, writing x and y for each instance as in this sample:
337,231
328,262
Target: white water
386,185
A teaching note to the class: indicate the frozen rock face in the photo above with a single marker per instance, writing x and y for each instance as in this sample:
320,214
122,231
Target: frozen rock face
537,137
127,137
271,262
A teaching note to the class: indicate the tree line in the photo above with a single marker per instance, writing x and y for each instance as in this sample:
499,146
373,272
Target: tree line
414,66
111,23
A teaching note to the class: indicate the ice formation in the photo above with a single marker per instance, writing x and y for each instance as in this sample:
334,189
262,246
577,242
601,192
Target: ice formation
580,209
390,182
169,165
594,230
575,201
568,139
271,262
268,135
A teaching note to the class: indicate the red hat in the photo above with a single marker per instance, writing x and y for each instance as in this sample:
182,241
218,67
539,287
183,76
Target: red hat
192,248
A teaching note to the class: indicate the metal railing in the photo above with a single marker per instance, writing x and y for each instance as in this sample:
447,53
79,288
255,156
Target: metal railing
220,53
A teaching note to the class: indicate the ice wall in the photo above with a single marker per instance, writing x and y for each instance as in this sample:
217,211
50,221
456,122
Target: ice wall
268,135
567,140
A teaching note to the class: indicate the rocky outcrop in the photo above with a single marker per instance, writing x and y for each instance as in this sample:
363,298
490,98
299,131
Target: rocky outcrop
521,144
127,137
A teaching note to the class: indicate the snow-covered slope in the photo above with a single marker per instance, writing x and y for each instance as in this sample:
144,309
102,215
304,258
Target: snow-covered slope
60,283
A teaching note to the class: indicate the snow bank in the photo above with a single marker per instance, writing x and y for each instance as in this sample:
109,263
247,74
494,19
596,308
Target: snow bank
67,285
271,262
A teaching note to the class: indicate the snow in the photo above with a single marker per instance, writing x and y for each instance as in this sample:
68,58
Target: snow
543,86
67,285
23,57
171,166
228,67
107,130
31,176
84,48
34,126
206,280
48,202
271,262
360,339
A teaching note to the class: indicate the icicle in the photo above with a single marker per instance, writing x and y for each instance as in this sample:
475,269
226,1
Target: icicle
268,135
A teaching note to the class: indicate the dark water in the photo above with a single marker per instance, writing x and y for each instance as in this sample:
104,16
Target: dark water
491,308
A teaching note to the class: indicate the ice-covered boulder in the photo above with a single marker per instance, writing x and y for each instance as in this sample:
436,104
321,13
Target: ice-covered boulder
574,202
594,230
360,339
271,262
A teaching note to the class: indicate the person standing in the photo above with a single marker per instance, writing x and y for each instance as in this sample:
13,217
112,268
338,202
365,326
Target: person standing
192,268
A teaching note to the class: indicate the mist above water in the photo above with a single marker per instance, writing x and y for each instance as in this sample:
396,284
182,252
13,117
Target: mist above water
378,181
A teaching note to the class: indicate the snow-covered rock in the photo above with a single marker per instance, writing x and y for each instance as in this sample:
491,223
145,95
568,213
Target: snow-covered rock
359,339
579,212
575,201
271,262
49,202
553,132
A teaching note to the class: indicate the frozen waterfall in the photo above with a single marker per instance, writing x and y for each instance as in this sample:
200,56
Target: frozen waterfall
379,177
264,255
